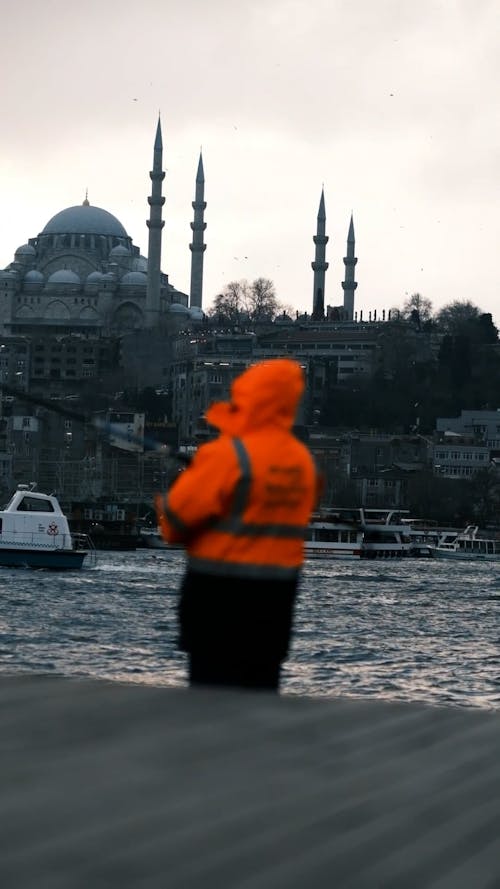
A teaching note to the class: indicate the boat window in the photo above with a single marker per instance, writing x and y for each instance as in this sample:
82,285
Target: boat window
326,535
35,504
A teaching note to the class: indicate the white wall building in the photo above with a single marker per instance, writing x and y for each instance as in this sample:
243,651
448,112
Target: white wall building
481,424
455,458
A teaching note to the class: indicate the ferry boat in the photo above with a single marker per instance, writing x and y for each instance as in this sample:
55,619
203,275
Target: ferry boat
423,534
337,534
467,545
358,533
34,533
385,533
331,537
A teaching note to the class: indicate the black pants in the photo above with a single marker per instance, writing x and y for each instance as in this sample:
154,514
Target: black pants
236,631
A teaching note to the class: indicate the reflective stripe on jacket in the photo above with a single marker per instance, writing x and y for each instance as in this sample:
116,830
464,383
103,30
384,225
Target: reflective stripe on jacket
243,506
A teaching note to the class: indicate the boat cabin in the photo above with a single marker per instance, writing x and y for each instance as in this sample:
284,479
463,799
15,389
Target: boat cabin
34,519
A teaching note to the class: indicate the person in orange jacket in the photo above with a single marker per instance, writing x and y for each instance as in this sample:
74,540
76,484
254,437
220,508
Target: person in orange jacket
241,509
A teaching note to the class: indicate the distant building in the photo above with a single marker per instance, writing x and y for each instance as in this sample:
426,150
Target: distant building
483,425
456,456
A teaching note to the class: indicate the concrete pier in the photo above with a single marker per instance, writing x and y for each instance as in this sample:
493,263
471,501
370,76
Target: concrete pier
107,785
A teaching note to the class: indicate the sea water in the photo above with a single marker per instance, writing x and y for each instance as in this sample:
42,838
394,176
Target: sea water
407,630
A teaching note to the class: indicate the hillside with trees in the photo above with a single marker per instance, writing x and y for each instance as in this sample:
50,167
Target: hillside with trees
427,366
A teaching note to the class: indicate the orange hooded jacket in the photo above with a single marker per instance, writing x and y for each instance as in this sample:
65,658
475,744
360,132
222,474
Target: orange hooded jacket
243,505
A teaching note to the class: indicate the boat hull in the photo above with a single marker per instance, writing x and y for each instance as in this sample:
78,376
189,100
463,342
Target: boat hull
329,553
51,559
465,557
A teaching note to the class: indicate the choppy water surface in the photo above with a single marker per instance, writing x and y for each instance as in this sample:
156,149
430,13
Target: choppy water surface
404,630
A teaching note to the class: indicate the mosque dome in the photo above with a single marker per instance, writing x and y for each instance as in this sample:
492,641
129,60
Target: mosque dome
119,250
179,309
25,251
94,277
33,280
63,278
94,281
84,220
140,264
196,313
134,279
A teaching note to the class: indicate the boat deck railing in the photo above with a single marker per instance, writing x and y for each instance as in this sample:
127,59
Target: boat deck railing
84,541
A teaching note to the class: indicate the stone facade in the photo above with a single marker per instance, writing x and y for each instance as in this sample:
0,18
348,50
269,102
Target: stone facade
81,274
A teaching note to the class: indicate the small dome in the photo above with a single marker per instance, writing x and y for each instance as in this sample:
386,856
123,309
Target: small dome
179,309
140,264
134,279
94,277
8,275
119,250
84,220
64,277
33,280
34,276
196,313
26,250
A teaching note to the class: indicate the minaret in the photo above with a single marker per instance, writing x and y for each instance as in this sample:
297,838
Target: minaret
319,265
197,247
349,284
155,225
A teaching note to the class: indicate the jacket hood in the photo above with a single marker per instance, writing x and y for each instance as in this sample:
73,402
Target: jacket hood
267,394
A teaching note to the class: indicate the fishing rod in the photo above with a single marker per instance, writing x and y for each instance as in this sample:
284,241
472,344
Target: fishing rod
103,427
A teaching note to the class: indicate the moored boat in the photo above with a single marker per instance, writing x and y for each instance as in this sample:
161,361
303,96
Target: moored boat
34,533
331,537
358,533
385,533
467,545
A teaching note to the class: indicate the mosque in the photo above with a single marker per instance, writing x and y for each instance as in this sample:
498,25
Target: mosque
83,274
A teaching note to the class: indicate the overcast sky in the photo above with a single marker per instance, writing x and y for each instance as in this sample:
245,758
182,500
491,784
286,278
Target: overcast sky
392,106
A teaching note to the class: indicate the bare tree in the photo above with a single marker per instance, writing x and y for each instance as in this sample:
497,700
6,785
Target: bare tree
230,305
417,308
241,300
261,300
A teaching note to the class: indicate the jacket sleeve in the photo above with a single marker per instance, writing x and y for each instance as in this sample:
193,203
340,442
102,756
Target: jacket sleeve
201,493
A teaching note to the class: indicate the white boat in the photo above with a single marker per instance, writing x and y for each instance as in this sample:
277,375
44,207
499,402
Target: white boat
34,533
467,545
358,533
330,537
423,535
385,534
